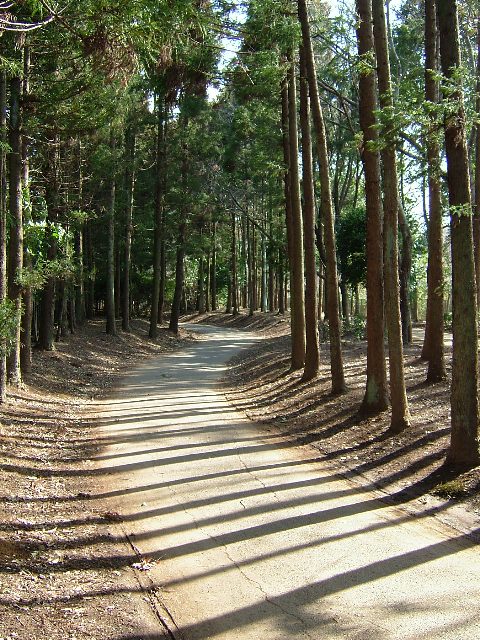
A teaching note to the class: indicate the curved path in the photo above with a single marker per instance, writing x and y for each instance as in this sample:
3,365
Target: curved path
249,537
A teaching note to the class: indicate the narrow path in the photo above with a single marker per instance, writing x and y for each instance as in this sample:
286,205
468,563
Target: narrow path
251,538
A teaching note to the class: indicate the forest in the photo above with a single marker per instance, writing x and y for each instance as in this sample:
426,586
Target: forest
312,168
160,158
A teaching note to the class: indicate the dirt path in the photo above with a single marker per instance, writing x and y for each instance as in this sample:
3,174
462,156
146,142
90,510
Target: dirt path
241,535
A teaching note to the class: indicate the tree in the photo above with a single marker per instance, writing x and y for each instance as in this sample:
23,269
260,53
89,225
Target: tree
464,393
400,417
375,398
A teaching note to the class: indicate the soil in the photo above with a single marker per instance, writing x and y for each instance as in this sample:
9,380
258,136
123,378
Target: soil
60,576
406,467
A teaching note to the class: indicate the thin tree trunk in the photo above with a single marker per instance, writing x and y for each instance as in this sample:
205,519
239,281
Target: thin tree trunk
111,328
15,257
213,269
476,219
433,347
26,332
233,276
158,239
80,303
405,273
179,279
400,417
464,393
333,309
297,280
130,192
312,352
375,399
3,224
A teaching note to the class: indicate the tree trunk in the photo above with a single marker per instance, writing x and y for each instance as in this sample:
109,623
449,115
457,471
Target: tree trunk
297,281
312,353
233,276
15,257
179,279
213,269
80,303
476,219
90,281
400,417
405,273
130,192
159,224
433,347
333,310
26,331
201,285
464,393
111,328
3,224
375,399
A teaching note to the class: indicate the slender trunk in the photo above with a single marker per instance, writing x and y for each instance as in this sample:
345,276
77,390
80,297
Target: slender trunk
158,239
111,328
118,277
90,281
433,347
15,257
201,285
80,303
312,352
179,279
288,201
26,331
213,269
464,392
405,273
130,192
400,418
3,224
333,309
375,399
233,276
476,219
297,280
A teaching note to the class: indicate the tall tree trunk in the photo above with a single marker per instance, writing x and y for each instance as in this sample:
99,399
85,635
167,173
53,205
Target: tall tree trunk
400,417
3,224
130,191
288,201
201,285
26,332
333,310
312,353
111,328
297,280
80,303
213,269
15,257
433,347
476,219
179,279
405,272
159,224
47,302
375,399
90,262
233,275
464,393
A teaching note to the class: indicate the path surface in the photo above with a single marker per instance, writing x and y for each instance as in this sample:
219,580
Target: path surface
251,538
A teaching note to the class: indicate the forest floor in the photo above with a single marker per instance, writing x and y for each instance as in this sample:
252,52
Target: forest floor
57,582
405,466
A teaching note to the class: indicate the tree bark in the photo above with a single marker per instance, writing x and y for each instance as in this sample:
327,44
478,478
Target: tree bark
333,310
15,257
3,224
405,272
213,269
159,225
297,280
463,448
130,194
375,398
476,218
312,353
179,279
111,328
433,347
400,416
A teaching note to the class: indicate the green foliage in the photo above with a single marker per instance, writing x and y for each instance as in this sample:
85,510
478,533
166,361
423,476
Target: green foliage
8,326
351,236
